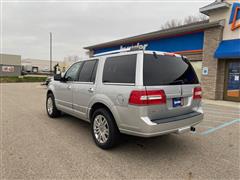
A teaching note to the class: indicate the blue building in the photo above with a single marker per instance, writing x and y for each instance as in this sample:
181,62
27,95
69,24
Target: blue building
213,46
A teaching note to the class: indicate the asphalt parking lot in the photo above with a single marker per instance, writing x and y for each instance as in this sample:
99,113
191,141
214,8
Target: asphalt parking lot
35,146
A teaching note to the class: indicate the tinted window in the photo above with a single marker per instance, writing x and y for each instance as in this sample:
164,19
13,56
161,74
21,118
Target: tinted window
86,71
167,70
93,77
73,71
120,69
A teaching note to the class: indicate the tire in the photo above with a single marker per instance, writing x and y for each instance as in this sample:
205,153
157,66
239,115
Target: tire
51,108
104,117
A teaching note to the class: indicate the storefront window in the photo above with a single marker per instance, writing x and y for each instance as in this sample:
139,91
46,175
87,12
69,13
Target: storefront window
233,82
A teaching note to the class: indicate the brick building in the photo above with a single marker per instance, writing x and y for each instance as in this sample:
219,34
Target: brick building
213,47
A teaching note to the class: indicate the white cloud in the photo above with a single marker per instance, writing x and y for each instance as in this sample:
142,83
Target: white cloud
26,26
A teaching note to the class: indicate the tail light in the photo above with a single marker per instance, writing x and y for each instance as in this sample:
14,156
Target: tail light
197,93
150,97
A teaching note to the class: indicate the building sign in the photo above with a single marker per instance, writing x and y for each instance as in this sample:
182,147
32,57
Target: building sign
8,69
190,42
205,71
235,16
138,45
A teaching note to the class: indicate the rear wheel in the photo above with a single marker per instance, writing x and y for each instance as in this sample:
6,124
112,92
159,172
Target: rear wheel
51,108
104,129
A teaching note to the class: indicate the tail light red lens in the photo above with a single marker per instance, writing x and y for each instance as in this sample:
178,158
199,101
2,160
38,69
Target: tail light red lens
150,97
197,93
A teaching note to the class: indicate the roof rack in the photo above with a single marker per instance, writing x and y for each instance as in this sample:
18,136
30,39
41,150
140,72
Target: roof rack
127,49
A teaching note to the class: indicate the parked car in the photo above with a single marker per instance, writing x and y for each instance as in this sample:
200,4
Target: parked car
140,93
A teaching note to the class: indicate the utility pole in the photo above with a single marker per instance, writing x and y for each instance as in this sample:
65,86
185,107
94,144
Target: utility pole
50,52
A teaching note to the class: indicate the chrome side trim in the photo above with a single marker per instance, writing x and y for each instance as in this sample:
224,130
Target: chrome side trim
80,106
80,82
120,84
63,101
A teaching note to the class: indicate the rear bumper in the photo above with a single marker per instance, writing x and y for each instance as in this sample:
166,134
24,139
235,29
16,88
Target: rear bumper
148,128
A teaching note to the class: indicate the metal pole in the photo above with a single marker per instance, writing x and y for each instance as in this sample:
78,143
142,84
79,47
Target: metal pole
50,53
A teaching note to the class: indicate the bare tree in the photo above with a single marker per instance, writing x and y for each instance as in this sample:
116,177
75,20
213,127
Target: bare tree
171,23
192,19
187,20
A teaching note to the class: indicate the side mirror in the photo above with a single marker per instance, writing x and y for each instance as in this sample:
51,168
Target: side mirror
58,77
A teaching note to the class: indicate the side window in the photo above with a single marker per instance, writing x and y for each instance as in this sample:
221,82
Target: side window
93,77
73,71
120,69
87,71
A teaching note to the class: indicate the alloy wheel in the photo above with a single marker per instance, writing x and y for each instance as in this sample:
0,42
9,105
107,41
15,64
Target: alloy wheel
101,129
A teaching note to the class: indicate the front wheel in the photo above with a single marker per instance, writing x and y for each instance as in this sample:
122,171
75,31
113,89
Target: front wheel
51,108
104,129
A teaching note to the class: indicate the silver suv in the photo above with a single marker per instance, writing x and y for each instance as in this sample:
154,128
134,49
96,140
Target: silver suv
141,93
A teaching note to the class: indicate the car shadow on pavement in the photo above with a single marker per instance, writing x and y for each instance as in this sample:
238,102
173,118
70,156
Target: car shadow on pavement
73,120
166,144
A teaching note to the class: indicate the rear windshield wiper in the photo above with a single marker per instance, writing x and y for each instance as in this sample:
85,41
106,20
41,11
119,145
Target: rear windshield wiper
155,55
106,81
180,81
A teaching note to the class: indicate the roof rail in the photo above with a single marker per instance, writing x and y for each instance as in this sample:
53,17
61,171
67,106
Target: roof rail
128,49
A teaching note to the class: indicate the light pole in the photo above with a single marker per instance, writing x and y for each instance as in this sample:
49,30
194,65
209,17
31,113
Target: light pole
50,52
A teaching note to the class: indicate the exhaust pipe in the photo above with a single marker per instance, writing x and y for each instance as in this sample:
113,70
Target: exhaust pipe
193,129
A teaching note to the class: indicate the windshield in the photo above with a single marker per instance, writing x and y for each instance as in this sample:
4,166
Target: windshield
167,70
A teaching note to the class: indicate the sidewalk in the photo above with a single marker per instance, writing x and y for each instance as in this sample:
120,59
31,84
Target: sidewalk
222,103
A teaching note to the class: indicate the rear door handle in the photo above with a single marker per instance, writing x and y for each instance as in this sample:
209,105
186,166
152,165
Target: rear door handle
91,90
69,87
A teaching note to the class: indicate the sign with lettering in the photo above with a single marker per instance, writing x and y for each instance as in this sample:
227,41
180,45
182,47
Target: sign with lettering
138,46
7,68
235,16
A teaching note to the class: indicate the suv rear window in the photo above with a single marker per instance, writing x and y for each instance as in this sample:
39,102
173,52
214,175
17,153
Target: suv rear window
120,69
167,70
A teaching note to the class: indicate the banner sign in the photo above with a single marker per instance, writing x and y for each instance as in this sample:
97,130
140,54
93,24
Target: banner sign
7,68
235,16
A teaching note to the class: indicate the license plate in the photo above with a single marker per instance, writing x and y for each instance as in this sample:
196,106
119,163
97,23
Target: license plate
177,102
